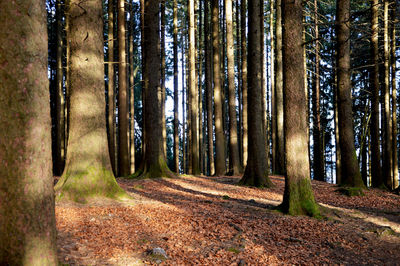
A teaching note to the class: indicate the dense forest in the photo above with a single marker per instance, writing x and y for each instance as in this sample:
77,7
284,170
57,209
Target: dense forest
97,94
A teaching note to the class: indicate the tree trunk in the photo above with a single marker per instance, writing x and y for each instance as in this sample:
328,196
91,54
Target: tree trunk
350,171
388,158
243,44
176,92
218,111
280,154
184,138
132,76
88,169
123,153
376,174
318,150
256,173
395,174
272,67
154,160
298,198
111,95
235,165
27,217
199,56
208,80
163,66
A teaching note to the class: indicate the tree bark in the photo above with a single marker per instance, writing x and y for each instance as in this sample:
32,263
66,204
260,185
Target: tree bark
235,165
220,167
376,174
256,173
163,66
27,217
176,87
350,171
209,98
243,44
123,153
132,76
272,67
298,198
154,160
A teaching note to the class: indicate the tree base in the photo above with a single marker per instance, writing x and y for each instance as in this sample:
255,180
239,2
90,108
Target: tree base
351,191
153,170
252,180
80,186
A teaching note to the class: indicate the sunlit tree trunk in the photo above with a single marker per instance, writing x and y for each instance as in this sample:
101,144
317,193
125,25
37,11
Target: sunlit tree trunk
218,113
235,165
256,173
298,198
376,174
184,136
123,153
350,171
27,218
132,75
88,169
176,92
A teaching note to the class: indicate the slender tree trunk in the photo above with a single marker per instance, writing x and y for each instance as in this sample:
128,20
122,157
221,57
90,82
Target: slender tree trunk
176,92
132,75
376,174
184,138
123,153
200,87
59,97
209,99
27,217
163,66
239,81
317,138
256,173
243,44
350,171
236,168
395,174
111,96
88,169
272,67
263,82
67,78
154,159
298,197
218,99
280,156
388,150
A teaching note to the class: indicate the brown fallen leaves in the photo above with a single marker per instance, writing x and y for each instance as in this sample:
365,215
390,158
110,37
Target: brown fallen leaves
211,221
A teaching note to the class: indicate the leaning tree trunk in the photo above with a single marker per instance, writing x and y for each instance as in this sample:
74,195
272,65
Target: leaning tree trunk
88,169
376,169
218,99
235,165
350,171
27,218
256,173
298,198
154,164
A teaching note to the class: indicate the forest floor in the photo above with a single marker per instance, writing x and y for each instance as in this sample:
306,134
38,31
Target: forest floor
199,220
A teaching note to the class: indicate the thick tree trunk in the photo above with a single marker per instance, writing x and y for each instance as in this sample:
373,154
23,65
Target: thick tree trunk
298,197
243,44
280,154
27,218
318,164
235,165
350,171
220,167
176,92
154,160
88,169
209,98
256,173
376,174
123,153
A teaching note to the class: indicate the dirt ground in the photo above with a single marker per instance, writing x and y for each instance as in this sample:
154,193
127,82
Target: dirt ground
211,221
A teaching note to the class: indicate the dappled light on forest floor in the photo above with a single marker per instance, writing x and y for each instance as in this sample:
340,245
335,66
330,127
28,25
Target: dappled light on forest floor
211,221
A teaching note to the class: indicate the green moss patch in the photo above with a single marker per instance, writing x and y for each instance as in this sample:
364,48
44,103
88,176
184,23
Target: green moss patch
351,191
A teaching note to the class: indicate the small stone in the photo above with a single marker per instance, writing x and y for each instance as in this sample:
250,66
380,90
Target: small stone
159,252
241,263
93,219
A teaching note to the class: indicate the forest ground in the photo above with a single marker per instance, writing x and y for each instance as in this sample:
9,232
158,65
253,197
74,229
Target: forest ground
211,221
